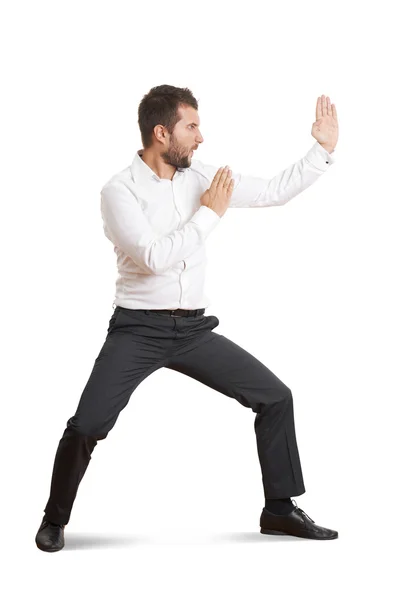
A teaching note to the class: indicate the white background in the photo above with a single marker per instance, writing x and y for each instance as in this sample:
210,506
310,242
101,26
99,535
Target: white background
169,506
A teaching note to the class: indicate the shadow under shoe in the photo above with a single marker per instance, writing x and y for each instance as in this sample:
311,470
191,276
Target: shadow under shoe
296,523
50,536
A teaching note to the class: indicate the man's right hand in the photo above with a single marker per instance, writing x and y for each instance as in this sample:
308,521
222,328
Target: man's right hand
218,196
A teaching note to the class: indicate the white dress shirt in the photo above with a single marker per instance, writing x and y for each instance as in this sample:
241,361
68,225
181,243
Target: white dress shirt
158,226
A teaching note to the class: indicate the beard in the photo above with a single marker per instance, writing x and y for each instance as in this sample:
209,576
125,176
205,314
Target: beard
176,155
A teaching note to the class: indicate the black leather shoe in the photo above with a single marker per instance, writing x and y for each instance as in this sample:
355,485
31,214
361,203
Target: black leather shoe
50,536
296,523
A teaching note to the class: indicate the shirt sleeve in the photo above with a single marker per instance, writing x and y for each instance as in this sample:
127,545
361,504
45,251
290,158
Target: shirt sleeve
258,192
126,225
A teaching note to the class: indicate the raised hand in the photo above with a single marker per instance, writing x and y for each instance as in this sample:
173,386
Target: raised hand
326,128
218,195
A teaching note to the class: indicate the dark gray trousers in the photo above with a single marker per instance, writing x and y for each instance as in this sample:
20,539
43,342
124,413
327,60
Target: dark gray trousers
138,343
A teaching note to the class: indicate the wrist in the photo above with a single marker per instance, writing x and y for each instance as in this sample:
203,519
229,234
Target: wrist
328,148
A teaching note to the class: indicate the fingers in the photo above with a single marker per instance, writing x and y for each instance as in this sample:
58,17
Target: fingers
328,106
324,107
319,111
222,179
225,177
217,178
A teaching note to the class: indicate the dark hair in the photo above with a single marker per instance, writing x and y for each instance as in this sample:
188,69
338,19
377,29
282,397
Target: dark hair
160,107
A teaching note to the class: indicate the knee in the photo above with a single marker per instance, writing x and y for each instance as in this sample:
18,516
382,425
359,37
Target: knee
78,426
281,395
280,399
287,394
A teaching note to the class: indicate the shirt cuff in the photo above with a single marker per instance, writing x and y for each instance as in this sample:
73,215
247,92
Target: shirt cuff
319,157
206,219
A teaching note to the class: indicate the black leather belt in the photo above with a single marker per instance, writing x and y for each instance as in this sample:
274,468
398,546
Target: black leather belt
179,312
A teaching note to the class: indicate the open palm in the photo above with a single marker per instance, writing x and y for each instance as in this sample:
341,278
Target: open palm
326,128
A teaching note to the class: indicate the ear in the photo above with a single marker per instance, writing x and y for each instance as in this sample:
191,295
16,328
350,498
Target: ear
160,133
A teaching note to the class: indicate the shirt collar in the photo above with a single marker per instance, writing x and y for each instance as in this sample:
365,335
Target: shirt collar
141,171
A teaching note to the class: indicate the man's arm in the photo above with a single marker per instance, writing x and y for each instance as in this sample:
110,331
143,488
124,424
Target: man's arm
128,228
258,192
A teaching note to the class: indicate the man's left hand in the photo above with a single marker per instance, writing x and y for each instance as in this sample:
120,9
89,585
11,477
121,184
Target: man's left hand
326,129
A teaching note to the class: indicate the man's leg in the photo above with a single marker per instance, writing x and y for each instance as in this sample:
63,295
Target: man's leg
224,366
129,355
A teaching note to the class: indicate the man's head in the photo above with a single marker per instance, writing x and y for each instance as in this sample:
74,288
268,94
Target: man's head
169,124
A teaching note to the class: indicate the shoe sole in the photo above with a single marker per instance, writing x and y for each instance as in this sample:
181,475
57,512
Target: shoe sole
276,532
272,531
49,549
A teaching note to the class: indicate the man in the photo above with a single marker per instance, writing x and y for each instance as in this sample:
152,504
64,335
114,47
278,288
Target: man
158,213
